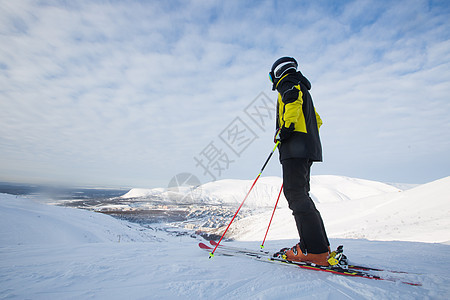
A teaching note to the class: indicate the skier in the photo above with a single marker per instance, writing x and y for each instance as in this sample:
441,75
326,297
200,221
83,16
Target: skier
298,132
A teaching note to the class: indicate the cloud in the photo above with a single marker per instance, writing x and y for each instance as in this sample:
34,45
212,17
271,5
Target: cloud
128,92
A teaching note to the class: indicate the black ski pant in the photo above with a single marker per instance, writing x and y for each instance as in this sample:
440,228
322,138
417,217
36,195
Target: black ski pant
296,186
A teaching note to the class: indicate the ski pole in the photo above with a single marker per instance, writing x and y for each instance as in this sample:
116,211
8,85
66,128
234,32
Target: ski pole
248,193
270,222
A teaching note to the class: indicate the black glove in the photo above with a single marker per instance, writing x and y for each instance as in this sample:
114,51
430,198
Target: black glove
286,132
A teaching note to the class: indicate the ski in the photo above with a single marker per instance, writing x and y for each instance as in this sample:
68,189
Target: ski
265,256
214,243
350,266
232,251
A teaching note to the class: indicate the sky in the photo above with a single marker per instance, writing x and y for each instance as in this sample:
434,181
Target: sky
139,93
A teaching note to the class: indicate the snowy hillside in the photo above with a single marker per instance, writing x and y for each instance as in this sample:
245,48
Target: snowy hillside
25,222
49,252
419,214
229,191
350,207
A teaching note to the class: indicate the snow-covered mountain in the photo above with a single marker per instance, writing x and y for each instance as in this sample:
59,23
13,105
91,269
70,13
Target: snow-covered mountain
418,214
49,252
230,191
350,207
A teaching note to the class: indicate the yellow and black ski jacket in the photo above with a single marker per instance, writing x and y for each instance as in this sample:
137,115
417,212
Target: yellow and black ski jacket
297,115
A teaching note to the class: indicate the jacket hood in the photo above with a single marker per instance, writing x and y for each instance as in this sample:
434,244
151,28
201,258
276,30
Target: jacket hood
295,78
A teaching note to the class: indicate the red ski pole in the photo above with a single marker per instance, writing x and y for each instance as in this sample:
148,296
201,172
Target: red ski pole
270,222
248,193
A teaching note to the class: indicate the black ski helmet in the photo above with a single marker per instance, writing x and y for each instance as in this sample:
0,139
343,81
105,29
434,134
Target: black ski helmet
280,68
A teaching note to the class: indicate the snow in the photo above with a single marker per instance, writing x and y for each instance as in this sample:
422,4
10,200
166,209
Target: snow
136,193
418,214
50,252
227,191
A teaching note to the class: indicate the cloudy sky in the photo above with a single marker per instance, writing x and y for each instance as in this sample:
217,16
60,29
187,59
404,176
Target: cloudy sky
132,93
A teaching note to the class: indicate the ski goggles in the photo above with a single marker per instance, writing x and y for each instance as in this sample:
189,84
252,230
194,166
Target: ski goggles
270,77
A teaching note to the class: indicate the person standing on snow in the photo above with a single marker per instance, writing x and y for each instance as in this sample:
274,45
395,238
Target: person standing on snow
298,132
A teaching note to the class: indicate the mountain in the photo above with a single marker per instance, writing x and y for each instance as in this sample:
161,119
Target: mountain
49,252
350,207
231,191
418,214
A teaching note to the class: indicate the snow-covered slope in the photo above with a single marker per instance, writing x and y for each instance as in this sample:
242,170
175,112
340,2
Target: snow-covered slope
230,191
140,193
328,188
350,207
419,214
49,252
25,222
324,189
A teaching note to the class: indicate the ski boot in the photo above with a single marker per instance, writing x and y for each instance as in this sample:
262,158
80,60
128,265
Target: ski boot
295,254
